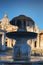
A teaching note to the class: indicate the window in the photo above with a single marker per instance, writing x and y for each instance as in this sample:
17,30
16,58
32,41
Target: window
12,44
35,43
5,43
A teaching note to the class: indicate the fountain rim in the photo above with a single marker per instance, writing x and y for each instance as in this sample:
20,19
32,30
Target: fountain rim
21,34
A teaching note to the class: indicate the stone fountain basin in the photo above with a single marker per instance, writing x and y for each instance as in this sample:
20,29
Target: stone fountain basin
21,34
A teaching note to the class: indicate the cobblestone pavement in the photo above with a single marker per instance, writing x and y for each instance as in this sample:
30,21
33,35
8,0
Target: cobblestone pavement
35,60
10,58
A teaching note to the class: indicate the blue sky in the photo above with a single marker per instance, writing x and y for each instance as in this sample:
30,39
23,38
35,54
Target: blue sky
30,8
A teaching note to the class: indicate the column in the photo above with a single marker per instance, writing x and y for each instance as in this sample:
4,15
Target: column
32,46
8,43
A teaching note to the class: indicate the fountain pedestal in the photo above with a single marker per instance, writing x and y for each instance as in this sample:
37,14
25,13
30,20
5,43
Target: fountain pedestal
21,49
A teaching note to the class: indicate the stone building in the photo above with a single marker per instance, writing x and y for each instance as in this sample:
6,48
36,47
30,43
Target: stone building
5,42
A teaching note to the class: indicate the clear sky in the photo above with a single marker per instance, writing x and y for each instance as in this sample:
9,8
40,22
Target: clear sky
30,8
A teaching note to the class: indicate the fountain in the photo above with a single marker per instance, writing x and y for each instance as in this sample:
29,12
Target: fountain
22,50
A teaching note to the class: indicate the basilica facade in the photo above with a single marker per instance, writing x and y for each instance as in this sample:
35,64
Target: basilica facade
5,42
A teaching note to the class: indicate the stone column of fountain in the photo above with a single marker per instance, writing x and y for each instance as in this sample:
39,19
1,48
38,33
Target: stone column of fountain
21,49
